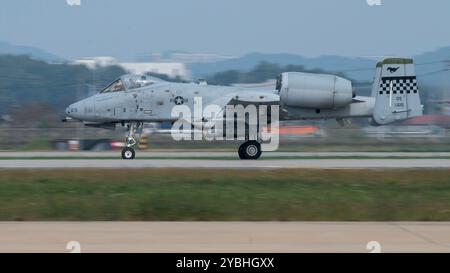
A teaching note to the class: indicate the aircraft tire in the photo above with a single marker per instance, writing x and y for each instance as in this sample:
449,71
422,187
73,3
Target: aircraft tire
128,153
250,150
241,152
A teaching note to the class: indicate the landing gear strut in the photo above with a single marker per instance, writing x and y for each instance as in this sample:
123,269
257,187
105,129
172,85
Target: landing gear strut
134,135
250,150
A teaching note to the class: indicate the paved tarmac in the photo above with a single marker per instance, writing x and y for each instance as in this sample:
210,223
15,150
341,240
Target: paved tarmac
224,236
203,154
379,163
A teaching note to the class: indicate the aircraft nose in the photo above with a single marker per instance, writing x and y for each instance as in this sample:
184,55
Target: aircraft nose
82,110
71,110
74,110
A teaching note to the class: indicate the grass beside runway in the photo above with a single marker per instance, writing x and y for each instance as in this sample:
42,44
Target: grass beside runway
225,195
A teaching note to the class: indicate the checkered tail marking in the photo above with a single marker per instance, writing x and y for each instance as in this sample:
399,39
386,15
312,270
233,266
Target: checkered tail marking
399,85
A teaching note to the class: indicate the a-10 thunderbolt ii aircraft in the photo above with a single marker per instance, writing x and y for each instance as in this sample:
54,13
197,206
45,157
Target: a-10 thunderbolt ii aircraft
132,100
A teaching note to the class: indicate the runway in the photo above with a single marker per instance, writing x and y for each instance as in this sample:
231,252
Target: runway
378,163
217,154
223,236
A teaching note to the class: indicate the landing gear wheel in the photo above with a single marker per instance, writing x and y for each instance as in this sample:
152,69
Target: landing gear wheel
250,150
128,153
241,152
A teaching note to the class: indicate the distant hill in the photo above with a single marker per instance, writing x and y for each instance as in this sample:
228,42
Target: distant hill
430,63
249,61
35,53
434,80
359,69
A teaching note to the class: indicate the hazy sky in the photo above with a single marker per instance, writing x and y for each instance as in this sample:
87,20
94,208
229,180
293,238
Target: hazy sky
125,28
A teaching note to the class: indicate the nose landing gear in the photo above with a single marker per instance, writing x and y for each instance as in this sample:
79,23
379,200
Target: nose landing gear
128,153
134,135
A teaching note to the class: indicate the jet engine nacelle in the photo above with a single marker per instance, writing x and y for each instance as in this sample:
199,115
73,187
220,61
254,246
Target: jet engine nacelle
318,91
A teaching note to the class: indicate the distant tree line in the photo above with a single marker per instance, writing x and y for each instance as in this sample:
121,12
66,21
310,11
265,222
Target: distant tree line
262,72
24,80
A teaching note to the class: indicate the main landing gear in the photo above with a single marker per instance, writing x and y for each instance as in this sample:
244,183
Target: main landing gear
134,135
250,150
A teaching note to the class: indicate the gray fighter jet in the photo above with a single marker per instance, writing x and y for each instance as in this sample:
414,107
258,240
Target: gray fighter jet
132,100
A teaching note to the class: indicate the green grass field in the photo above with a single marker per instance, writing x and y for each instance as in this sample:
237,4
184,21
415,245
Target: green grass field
225,195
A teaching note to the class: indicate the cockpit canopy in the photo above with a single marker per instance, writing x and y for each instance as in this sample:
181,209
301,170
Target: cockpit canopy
130,82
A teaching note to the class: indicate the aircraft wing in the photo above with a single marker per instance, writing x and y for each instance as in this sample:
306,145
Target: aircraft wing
255,97
244,99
